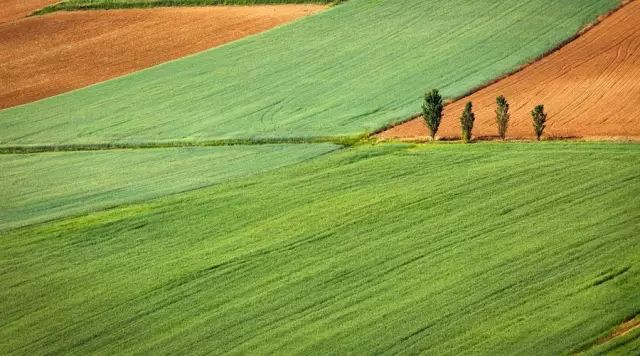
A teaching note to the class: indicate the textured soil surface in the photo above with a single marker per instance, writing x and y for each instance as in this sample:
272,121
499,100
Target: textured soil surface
46,55
590,87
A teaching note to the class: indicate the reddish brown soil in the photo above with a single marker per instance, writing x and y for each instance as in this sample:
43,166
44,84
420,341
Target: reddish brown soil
47,55
590,87
11,10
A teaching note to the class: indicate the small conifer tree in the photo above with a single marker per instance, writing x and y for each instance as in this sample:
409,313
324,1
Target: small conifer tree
466,122
539,120
432,111
502,116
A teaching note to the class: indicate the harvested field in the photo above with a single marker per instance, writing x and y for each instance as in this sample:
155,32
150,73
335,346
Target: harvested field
48,55
591,89
12,10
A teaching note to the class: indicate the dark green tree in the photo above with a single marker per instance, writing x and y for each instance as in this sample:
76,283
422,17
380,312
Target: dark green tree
432,111
466,122
539,120
502,116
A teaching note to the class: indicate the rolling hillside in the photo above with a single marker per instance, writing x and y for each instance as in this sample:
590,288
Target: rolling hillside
440,249
356,67
254,241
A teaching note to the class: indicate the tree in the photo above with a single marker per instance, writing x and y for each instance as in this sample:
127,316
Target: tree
466,122
432,111
539,120
502,116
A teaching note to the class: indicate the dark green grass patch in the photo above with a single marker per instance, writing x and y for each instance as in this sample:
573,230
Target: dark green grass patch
355,67
45,186
513,248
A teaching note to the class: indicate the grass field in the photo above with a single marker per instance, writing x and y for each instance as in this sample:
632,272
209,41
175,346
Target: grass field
441,249
356,67
44,186
277,243
71,5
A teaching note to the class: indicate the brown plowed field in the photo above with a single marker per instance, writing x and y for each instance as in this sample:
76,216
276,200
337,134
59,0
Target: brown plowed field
590,87
47,55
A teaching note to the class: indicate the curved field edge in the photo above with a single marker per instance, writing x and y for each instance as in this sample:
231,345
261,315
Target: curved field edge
290,82
104,45
13,10
47,186
76,5
372,249
589,91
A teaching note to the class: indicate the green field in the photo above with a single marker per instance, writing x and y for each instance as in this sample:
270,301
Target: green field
44,186
355,67
514,248
262,239
72,5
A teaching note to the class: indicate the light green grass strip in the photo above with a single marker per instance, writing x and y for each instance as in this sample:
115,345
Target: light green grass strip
40,187
439,249
356,67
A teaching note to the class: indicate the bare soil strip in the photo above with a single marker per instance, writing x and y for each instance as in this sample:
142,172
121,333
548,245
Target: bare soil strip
590,87
47,55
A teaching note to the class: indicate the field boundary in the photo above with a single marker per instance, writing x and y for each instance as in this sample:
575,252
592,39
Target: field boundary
496,139
91,39
344,141
585,29
65,6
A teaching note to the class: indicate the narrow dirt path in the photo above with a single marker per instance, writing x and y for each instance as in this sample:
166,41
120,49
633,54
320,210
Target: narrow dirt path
620,331
46,55
590,87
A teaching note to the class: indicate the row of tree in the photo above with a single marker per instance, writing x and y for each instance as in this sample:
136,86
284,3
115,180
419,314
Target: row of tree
433,107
